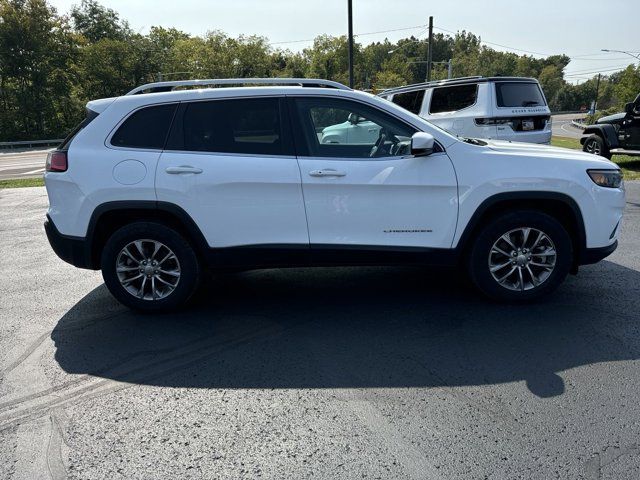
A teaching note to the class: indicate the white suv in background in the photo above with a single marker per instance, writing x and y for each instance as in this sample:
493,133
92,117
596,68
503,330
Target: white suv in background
502,108
158,185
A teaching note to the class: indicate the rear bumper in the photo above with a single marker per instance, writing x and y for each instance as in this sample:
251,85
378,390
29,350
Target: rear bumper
594,255
73,250
535,136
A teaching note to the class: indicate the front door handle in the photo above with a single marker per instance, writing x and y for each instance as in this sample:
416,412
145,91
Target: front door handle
327,172
182,169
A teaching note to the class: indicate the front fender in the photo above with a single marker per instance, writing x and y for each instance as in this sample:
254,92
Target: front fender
607,132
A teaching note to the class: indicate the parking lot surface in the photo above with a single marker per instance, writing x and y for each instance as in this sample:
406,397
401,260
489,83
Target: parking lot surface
315,373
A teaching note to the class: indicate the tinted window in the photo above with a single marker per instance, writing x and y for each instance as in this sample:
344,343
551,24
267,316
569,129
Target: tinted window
251,126
412,101
342,128
519,94
450,99
146,128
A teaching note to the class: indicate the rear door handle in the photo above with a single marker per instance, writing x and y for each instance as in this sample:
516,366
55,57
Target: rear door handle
182,169
328,172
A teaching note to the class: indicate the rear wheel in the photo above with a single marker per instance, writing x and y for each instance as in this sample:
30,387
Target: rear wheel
150,267
520,256
595,145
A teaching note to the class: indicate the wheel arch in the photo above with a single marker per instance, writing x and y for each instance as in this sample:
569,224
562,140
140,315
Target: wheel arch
557,205
110,216
605,131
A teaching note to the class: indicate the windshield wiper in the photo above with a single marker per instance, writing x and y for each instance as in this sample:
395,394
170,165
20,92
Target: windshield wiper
530,103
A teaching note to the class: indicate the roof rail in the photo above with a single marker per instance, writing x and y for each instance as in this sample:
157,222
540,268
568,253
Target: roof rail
431,83
157,87
455,81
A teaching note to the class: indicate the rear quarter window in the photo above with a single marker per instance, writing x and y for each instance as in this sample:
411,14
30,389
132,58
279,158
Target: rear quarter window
411,101
519,94
146,128
450,99
91,115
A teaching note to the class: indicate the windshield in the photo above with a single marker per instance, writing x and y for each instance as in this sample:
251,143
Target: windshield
519,94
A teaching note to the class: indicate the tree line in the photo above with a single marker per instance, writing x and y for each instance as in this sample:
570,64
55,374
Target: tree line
51,64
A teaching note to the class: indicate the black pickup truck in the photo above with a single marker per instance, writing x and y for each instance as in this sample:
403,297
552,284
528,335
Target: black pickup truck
617,134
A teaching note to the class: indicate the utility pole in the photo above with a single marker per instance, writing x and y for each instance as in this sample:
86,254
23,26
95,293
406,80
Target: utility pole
595,103
450,69
350,15
430,51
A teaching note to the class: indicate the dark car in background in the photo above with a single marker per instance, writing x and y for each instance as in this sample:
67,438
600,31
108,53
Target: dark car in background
615,134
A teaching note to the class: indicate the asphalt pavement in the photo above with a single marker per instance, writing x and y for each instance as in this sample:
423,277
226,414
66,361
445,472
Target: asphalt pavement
562,126
22,163
315,373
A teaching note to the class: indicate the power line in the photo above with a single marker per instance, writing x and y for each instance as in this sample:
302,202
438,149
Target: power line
578,57
588,70
609,70
355,35
498,44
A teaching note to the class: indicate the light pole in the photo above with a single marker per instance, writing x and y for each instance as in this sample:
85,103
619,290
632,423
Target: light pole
637,57
350,18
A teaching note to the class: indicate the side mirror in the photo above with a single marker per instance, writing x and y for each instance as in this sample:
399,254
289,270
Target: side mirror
353,118
422,144
628,107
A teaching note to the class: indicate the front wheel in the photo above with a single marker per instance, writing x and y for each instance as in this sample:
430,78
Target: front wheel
520,256
150,267
595,145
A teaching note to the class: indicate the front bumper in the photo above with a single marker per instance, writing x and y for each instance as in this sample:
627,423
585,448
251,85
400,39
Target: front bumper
594,255
73,250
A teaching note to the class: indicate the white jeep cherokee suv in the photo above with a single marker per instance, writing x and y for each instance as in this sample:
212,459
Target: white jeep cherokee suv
155,186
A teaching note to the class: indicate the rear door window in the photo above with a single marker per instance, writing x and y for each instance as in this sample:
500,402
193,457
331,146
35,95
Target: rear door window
241,126
519,94
146,128
411,101
450,99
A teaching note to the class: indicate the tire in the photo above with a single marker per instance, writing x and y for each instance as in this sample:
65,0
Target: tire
542,271
595,145
161,286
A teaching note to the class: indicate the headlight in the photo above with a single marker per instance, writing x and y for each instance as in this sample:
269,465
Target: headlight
606,178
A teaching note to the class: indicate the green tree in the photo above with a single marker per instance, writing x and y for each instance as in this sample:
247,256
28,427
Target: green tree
37,53
95,22
628,85
551,81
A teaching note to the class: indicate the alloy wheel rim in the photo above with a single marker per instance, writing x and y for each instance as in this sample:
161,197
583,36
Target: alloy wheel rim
148,269
522,259
593,147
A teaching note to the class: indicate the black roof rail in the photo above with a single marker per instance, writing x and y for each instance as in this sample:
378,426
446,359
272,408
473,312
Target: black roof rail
453,81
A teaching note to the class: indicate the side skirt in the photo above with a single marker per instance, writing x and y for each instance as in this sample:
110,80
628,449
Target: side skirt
314,255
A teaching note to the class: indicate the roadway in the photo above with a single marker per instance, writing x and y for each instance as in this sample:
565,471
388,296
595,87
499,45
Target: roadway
562,126
22,163
315,373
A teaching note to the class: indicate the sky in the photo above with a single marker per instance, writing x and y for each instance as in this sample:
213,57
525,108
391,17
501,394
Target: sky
577,28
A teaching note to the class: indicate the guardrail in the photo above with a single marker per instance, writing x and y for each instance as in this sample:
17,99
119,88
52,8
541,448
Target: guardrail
31,143
578,124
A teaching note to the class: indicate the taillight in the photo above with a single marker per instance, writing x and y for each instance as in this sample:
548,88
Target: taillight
56,161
